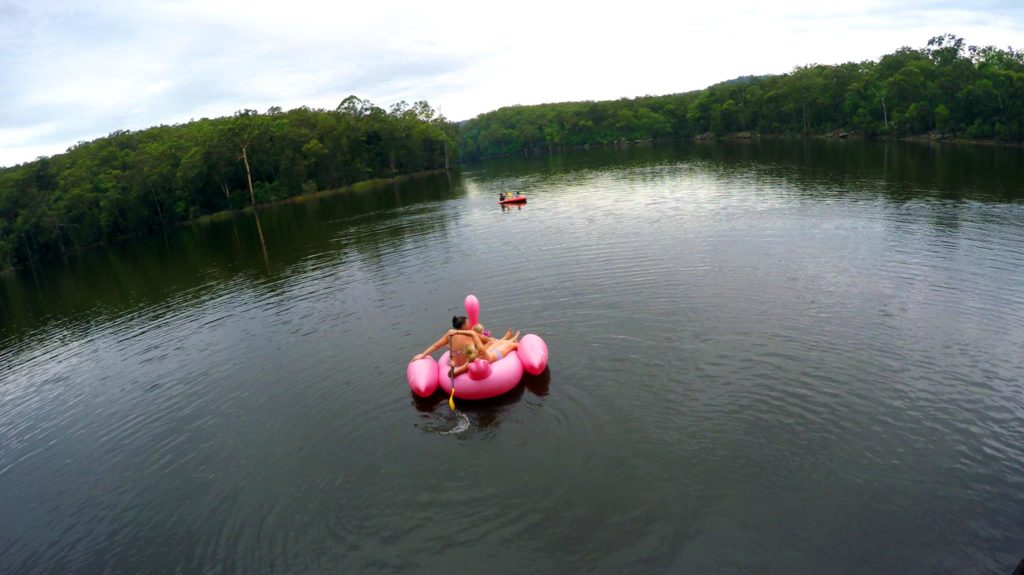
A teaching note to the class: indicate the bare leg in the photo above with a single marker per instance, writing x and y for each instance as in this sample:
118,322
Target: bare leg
503,347
494,343
490,342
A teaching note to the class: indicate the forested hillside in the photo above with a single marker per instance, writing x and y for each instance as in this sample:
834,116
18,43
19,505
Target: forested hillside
946,88
132,182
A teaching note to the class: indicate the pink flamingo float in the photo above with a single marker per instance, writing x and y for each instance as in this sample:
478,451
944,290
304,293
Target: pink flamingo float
483,379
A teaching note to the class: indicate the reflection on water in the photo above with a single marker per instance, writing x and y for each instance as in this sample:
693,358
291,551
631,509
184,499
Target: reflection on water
146,271
789,357
263,242
481,414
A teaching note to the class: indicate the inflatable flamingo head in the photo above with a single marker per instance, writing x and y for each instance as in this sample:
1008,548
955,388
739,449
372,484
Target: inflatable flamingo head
479,369
472,309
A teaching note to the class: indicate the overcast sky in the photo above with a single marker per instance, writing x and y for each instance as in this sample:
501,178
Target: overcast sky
72,71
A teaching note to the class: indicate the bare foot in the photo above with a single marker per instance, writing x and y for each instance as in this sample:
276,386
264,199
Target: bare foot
515,337
507,335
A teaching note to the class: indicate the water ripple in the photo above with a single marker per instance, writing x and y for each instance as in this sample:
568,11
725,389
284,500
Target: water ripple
748,359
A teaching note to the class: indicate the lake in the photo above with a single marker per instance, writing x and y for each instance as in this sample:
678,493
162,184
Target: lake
774,357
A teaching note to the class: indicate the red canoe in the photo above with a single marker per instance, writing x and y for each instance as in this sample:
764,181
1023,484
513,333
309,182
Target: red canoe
513,200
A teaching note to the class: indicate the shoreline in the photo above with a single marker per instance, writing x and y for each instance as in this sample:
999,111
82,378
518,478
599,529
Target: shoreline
838,135
855,136
363,186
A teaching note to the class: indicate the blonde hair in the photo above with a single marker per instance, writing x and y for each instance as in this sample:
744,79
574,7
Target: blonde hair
479,328
471,353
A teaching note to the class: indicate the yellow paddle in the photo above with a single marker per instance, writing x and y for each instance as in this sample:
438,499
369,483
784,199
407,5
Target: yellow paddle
451,373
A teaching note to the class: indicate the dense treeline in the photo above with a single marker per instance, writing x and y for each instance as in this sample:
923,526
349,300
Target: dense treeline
946,88
132,182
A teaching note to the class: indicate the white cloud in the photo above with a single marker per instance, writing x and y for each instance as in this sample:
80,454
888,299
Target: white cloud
86,70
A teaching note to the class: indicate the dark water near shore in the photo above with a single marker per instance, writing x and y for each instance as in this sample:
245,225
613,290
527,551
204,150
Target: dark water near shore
773,358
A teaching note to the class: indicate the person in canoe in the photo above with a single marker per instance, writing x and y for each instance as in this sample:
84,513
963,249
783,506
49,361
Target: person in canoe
467,345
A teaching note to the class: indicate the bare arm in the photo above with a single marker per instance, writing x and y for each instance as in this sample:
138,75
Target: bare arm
433,347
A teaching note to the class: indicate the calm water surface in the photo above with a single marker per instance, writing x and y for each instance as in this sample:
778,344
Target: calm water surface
773,358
